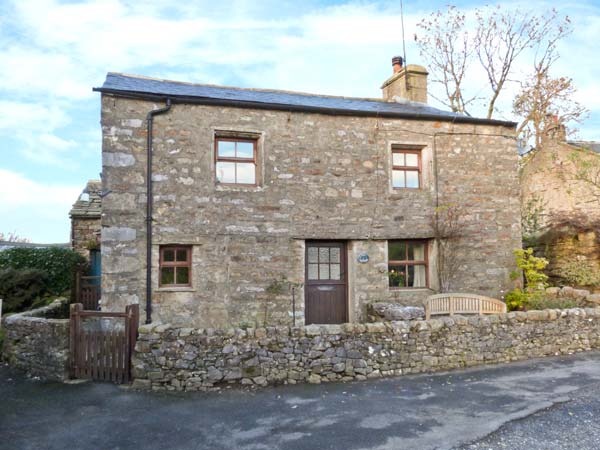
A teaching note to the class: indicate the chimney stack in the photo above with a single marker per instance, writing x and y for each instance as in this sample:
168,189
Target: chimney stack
408,83
555,130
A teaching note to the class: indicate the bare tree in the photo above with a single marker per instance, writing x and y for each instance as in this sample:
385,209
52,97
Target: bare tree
503,35
545,103
498,38
447,47
12,237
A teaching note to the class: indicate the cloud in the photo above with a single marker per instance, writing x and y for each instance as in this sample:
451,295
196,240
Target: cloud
35,210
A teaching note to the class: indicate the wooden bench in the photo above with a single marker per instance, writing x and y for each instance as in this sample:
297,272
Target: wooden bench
457,303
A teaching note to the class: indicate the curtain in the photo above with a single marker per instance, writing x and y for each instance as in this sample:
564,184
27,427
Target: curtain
419,275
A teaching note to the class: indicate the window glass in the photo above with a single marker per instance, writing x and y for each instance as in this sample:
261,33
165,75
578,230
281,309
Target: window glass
416,251
168,255
313,255
182,275
226,148
324,254
226,172
182,254
335,271
396,251
417,276
412,179
323,271
313,271
334,253
398,178
398,159
167,275
412,159
246,173
245,150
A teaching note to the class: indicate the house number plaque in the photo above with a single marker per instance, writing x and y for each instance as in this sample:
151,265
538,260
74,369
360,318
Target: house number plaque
363,258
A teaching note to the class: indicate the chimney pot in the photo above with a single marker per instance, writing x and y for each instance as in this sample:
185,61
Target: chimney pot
397,62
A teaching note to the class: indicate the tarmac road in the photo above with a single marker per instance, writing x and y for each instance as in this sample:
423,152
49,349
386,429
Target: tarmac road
540,404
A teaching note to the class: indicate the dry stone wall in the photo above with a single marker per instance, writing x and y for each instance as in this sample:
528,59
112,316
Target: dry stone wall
37,342
171,358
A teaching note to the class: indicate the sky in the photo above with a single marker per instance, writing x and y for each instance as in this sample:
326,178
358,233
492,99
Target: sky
53,52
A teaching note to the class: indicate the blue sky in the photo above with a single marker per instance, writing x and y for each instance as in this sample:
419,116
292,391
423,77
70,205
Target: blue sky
54,52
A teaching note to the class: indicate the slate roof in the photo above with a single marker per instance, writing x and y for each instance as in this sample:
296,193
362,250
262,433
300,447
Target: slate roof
591,145
134,86
91,208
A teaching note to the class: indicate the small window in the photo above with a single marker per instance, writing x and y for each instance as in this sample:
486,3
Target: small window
406,168
175,266
408,264
235,161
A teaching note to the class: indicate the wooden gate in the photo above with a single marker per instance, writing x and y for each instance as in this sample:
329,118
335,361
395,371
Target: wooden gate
88,291
102,343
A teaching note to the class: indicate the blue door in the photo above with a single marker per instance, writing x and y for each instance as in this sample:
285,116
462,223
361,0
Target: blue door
95,266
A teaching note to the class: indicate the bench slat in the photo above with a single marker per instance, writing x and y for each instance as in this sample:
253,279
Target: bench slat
459,303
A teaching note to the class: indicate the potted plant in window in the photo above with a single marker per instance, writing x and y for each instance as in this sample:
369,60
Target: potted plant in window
397,278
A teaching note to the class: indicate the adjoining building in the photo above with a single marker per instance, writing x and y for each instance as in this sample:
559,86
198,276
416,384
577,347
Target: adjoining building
560,196
85,218
269,207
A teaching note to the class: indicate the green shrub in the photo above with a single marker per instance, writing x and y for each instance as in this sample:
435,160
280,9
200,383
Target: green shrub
539,303
535,280
579,272
19,289
59,264
515,300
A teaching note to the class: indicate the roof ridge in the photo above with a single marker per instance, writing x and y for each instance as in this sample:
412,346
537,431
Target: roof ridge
237,88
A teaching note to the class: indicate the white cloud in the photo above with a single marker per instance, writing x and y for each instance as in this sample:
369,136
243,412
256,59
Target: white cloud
35,210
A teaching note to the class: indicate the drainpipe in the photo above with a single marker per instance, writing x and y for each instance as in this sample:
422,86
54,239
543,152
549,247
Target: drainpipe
149,195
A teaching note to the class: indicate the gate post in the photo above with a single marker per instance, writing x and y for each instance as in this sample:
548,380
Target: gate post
131,329
74,326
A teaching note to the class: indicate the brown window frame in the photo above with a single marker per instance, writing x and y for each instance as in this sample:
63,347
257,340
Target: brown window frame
411,262
418,168
187,263
253,160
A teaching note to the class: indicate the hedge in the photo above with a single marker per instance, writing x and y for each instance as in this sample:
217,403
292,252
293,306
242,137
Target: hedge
20,288
58,263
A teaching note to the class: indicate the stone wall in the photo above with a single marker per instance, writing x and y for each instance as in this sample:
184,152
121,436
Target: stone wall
321,177
168,358
37,342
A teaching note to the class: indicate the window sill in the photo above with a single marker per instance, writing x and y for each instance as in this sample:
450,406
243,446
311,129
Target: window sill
176,289
409,289
238,187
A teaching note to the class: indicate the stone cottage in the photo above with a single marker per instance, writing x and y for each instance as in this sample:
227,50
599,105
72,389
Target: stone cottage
560,194
85,219
274,207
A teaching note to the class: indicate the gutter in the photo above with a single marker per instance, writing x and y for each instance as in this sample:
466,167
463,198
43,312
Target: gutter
149,205
300,108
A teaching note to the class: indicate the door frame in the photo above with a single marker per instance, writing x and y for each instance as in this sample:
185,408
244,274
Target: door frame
343,270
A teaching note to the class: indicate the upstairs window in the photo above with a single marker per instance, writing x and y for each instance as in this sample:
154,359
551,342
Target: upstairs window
175,266
235,161
408,264
406,168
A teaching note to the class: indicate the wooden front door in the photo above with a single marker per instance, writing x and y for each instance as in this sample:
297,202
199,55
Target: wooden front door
326,283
